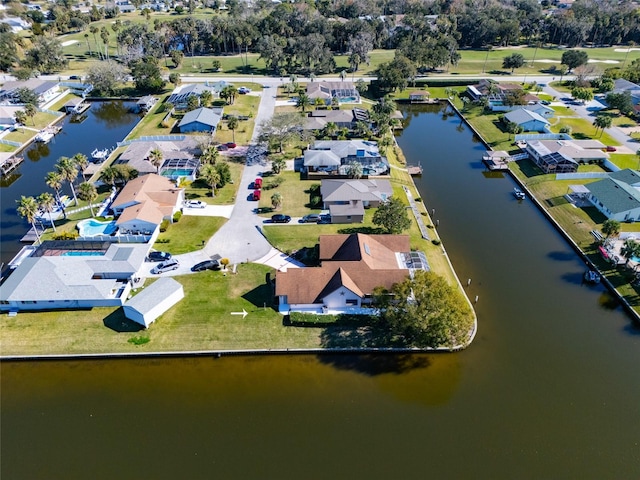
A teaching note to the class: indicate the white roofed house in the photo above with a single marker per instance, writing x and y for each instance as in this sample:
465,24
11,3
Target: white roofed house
343,92
45,89
562,156
138,154
73,274
179,98
145,307
334,156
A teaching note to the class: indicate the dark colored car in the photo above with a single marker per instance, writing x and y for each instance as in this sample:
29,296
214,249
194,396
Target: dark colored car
158,256
279,218
222,148
611,148
231,145
206,265
311,218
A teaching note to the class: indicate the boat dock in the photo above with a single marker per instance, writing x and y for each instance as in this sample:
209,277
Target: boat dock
499,159
31,235
414,170
8,165
76,106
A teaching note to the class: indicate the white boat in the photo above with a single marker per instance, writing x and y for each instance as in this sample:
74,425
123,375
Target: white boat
43,136
100,155
519,194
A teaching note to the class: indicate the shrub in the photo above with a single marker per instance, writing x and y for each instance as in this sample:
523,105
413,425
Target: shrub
224,262
164,225
316,201
435,241
298,319
65,236
177,216
139,340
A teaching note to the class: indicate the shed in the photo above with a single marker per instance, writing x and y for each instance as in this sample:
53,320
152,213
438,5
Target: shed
153,301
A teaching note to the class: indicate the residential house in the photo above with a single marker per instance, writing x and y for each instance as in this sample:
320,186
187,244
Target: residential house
153,301
562,156
58,275
347,199
419,96
528,120
179,98
17,24
343,92
334,156
622,86
201,120
145,202
617,196
137,155
8,115
146,103
46,90
542,110
352,266
318,119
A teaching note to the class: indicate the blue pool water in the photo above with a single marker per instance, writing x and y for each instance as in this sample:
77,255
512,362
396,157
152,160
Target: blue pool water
91,228
177,172
88,253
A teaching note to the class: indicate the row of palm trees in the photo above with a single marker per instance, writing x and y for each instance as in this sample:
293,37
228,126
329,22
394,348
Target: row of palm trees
66,170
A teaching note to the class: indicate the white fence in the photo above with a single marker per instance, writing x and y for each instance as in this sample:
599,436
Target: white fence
542,136
155,138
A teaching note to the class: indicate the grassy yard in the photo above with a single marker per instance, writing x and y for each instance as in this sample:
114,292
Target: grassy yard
188,234
198,190
39,121
201,321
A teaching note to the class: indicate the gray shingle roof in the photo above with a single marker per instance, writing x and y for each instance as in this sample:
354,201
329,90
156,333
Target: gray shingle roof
615,195
206,116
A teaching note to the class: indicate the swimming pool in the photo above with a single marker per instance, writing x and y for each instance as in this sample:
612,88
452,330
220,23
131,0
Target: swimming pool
177,172
92,227
87,253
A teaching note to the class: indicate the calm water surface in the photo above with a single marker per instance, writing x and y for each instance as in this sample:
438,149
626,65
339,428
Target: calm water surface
549,389
106,124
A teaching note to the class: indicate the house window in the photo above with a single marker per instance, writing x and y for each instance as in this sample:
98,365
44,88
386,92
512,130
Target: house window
352,301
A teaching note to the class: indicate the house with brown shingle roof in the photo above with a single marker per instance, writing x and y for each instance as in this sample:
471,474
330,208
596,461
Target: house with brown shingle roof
352,266
144,202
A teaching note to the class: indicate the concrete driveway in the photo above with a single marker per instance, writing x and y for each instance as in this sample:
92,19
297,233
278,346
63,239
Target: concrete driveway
210,211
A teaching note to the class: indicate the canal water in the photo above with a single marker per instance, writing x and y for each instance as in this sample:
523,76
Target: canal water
105,124
550,388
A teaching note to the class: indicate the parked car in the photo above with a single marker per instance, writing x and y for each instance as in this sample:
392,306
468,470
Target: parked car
206,265
158,256
195,204
325,219
611,148
74,77
256,195
231,145
244,90
279,218
311,218
545,102
222,148
166,266
257,183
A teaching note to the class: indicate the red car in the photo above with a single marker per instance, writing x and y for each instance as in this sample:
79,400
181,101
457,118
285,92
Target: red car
257,183
256,194
610,148
231,145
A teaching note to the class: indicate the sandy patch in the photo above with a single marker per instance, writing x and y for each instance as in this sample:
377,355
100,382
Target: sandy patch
603,61
69,42
627,50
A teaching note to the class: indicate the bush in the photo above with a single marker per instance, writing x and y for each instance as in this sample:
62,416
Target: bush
177,216
435,241
164,225
139,340
65,236
298,319
275,183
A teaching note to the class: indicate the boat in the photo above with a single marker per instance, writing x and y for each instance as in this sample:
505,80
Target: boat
519,194
100,155
591,276
43,136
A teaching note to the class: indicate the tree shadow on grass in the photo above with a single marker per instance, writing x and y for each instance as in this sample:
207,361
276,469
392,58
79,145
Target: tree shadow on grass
117,322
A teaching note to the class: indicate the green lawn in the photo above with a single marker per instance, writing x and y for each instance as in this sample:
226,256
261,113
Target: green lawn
188,234
226,195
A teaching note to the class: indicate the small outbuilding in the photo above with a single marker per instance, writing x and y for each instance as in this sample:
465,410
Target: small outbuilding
153,301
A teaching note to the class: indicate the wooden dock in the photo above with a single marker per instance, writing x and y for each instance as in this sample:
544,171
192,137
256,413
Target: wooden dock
9,165
414,170
31,236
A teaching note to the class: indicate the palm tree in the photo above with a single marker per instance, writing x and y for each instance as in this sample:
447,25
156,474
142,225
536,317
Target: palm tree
21,117
330,129
211,176
155,157
69,171
602,122
610,227
277,165
31,110
319,102
81,161
232,123
87,192
28,208
343,75
205,98
276,200
54,182
303,102
630,249
209,155
354,170
46,201
109,176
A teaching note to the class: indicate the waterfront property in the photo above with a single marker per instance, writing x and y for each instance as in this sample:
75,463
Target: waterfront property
617,196
343,92
562,156
145,202
347,199
45,89
528,120
145,307
201,120
352,266
334,157
146,103
73,274
138,154
92,227
318,119
179,98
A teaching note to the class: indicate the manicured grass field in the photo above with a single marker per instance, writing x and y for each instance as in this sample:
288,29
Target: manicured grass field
188,234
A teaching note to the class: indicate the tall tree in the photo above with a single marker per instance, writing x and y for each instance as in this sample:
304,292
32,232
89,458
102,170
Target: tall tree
46,55
54,181
513,61
574,58
276,200
601,122
69,171
87,191
210,176
31,111
156,157
232,123
106,77
392,216
303,102
610,227
46,202
28,208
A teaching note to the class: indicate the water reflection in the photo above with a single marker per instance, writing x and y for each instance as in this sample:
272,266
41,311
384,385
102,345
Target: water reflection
112,114
37,151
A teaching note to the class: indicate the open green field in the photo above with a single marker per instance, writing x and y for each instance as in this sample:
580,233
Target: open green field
188,234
